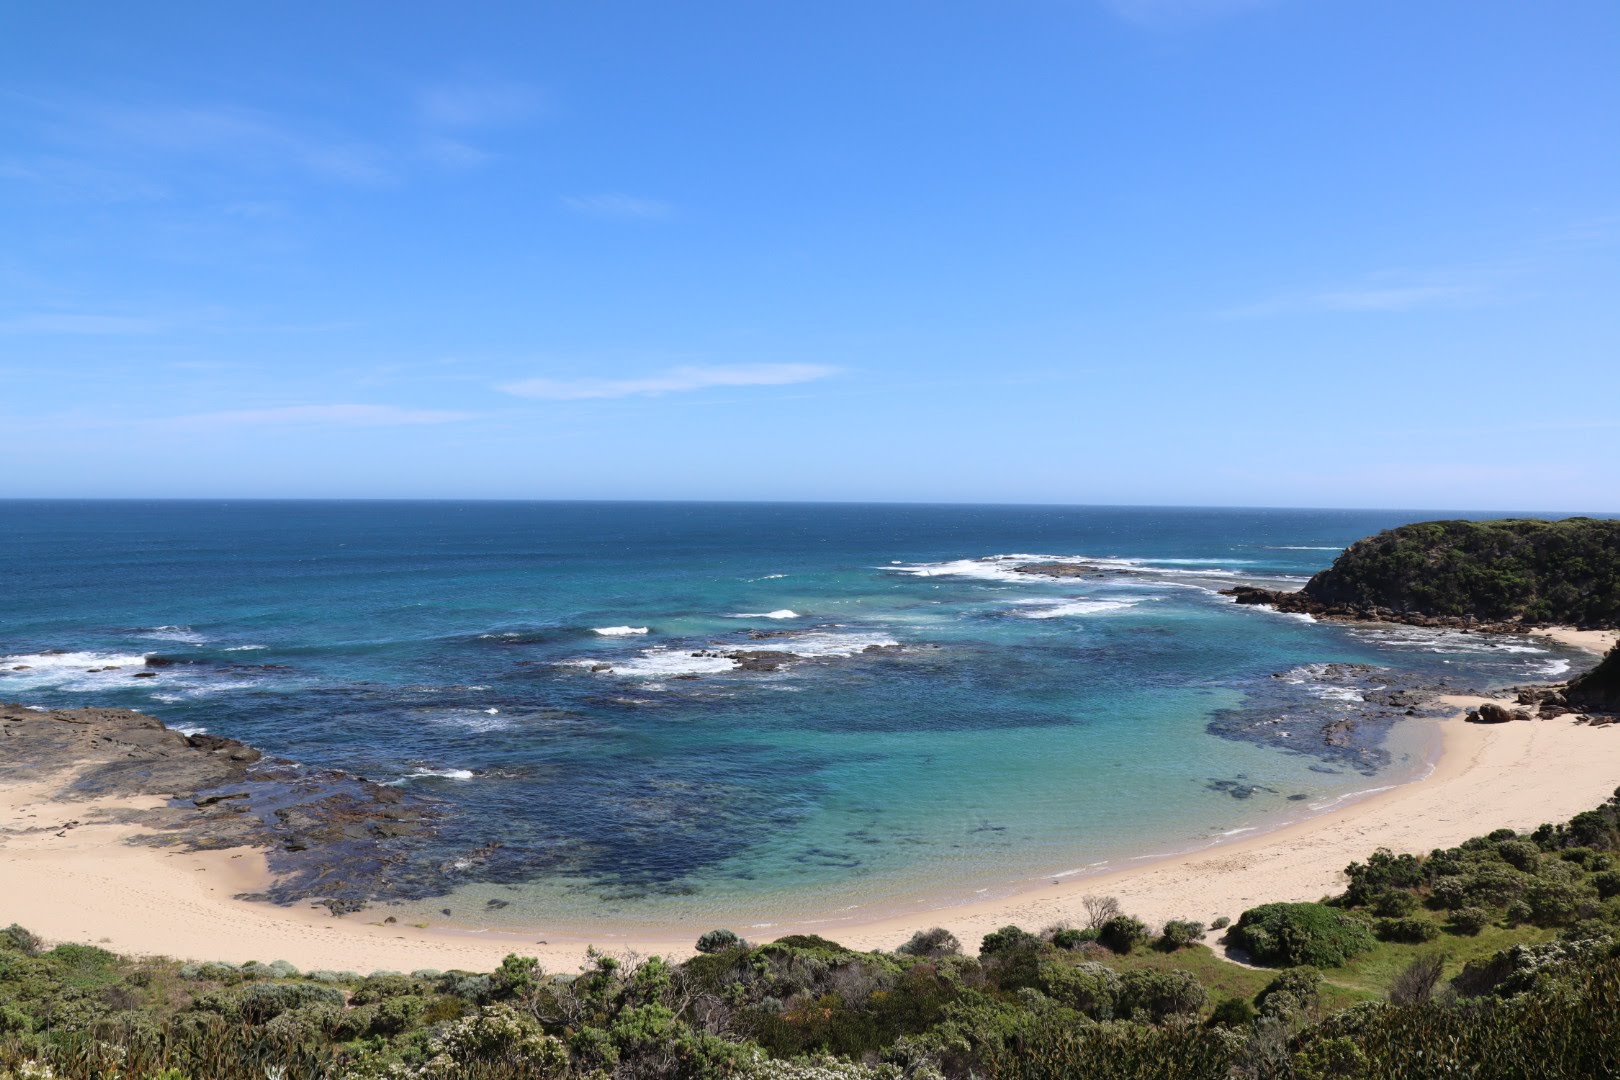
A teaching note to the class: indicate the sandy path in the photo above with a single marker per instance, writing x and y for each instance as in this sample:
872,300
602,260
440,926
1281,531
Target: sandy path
90,885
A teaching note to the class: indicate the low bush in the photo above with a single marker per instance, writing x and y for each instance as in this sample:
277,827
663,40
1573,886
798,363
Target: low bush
1008,939
1070,938
1233,1012
1469,921
931,943
1179,933
1408,931
1122,933
716,941
1290,935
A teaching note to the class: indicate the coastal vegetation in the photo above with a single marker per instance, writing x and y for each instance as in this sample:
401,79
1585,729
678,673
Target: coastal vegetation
1522,571
1499,957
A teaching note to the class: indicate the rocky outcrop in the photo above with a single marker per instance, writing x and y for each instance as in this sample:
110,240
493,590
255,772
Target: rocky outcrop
1598,689
1304,603
125,752
1058,569
328,835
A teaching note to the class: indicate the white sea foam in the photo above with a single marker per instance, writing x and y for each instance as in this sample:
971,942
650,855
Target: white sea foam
771,577
190,729
779,613
660,663
1553,668
70,670
620,631
183,634
1297,616
444,774
815,644
478,720
1054,609
1002,567
1150,563
192,688
245,648
1446,642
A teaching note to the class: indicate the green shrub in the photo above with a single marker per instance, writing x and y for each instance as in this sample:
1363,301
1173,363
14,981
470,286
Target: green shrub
1089,988
1469,921
1409,931
716,941
1008,939
1123,933
1553,903
1233,1012
1158,995
1290,935
18,939
1294,992
1221,923
1071,938
1395,904
1179,933
1520,854
1607,883
932,943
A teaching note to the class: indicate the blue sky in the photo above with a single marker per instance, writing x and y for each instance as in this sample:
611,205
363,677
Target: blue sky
1255,252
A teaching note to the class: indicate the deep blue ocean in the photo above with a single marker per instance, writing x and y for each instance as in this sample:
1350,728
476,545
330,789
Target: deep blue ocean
950,726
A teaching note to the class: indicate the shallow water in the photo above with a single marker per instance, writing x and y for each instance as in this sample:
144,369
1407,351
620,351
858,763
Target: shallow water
948,725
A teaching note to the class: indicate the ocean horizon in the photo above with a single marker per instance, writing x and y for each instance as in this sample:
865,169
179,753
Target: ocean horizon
656,712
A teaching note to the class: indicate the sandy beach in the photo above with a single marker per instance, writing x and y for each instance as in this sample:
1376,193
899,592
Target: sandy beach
87,883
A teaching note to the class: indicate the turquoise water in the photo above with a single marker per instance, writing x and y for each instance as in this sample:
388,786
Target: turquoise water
948,725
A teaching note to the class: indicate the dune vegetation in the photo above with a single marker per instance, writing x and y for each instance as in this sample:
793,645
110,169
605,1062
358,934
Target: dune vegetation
1496,958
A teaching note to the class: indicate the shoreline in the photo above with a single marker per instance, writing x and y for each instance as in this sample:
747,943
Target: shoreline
83,883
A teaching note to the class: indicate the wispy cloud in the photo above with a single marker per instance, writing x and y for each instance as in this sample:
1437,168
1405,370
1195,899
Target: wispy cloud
478,104
454,153
1172,13
1380,293
234,136
617,205
673,381
54,323
320,415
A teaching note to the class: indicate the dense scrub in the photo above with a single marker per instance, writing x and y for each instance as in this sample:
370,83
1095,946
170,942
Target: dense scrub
1527,927
1544,572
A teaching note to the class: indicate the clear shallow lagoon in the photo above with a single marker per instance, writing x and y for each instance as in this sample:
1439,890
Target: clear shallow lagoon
1005,728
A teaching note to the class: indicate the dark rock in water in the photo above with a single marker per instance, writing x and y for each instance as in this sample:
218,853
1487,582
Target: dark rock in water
1238,789
1058,570
496,905
342,907
1337,712
214,800
157,660
144,675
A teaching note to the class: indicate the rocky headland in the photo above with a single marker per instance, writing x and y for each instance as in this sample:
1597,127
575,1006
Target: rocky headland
1501,576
